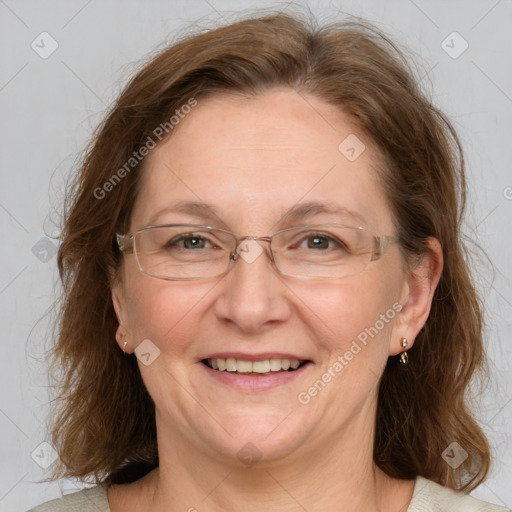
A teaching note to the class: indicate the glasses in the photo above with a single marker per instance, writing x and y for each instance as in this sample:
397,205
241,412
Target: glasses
188,251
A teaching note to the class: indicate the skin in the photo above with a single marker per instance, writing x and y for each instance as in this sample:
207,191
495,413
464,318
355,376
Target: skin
254,158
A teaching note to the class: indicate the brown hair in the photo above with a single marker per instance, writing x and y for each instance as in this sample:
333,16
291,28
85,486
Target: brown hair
104,423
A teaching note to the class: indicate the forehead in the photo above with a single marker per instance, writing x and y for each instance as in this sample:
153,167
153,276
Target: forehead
253,158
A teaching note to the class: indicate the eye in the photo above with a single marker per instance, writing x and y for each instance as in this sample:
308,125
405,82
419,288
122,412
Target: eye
317,242
321,241
189,241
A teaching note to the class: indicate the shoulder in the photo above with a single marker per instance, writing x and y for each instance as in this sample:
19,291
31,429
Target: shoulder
429,496
93,499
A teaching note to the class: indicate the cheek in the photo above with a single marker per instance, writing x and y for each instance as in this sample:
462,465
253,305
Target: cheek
358,319
164,312
354,318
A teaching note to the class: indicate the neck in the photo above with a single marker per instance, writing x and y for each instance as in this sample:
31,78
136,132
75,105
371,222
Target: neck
340,476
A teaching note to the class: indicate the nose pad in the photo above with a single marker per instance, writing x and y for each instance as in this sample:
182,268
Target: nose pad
249,250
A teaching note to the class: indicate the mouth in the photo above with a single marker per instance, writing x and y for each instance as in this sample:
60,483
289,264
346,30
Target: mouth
260,368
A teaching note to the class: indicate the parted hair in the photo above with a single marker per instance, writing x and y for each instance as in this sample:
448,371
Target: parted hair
102,417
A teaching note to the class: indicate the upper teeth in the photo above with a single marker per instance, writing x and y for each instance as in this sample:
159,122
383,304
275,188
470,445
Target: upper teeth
241,365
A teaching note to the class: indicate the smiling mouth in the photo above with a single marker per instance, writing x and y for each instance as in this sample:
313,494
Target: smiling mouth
253,368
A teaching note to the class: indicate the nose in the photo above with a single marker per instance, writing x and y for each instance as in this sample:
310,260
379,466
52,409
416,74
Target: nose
254,297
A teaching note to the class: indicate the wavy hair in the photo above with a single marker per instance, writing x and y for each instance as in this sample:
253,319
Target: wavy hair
103,419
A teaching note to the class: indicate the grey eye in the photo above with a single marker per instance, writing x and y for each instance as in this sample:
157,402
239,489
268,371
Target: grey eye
188,242
321,241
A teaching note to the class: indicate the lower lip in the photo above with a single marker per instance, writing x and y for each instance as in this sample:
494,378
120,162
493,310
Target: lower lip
251,383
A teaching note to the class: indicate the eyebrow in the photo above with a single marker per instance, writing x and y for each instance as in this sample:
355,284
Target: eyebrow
305,210
293,215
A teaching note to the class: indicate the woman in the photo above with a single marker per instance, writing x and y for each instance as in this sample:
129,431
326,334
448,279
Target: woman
266,298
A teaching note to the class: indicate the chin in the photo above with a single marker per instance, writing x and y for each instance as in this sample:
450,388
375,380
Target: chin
257,438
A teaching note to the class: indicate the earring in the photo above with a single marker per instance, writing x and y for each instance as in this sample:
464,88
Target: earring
404,358
124,347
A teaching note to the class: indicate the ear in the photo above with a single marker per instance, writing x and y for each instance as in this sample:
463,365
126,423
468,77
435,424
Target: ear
119,302
416,300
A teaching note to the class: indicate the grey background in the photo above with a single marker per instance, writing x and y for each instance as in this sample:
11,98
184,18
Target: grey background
50,106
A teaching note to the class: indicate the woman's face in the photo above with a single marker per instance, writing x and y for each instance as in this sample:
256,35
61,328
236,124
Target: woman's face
252,160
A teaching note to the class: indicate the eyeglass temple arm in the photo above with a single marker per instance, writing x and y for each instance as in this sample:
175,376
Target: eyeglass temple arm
124,242
382,244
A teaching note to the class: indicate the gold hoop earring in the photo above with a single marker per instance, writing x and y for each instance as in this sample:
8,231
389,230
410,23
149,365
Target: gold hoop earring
404,358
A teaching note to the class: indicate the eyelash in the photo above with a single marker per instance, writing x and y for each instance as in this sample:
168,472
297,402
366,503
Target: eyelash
307,236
